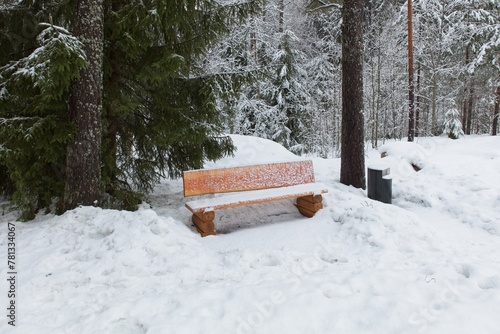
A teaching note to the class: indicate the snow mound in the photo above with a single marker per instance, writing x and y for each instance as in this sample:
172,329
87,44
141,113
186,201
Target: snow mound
412,152
253,150
98,265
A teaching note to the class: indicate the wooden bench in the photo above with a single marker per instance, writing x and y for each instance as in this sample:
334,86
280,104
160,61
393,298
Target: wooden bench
254,184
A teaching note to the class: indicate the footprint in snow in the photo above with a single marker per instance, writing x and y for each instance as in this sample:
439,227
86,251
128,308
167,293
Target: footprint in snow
492,282
465,270
265,261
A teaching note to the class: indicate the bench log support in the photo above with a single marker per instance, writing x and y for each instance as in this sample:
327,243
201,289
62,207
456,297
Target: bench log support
204,222
309,205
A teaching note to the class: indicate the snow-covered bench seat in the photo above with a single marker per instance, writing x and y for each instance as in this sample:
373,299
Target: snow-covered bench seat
250,185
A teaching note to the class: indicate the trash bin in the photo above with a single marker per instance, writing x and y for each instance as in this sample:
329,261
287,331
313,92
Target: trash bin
380,183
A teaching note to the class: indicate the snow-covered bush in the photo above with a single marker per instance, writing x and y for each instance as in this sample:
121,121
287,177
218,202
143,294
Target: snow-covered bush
452,125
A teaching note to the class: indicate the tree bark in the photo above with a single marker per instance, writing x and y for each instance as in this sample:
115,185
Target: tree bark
83,162
470,101
411,86
464,111
434,127
419,104
496,115
281,12
379,94
352,167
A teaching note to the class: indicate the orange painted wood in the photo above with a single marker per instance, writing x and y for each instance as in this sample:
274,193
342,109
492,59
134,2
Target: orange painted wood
254,177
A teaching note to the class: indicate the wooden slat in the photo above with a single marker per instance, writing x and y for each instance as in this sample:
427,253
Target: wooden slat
313,199
254,197
254,177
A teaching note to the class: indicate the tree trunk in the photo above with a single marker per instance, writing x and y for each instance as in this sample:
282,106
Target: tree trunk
83,162
411,86
419,104
434,127
379,94
253,43
464,111
496,115
352,167
470,100
281,12
371,121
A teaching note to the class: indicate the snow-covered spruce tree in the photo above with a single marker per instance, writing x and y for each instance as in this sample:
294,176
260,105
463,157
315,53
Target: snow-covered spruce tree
160,110
256,111
230,58
385,77
477,23
452,125
461,66
275,107
34,127
435,63
324,84
159,114
289,95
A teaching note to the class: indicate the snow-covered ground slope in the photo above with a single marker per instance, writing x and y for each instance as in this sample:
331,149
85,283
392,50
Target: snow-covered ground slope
428,263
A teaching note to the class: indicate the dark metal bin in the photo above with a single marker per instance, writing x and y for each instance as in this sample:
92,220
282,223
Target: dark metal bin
380,184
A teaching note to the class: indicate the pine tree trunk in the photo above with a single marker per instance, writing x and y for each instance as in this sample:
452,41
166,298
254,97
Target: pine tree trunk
496,115
464,112
411,86
379,95
470,100
434,127
83,164
253,43
352,168
371,120
281,12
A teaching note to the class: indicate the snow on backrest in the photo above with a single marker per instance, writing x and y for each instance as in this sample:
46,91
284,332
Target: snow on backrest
253,177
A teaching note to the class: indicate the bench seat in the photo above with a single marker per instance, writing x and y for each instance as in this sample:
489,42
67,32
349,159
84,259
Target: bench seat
256,196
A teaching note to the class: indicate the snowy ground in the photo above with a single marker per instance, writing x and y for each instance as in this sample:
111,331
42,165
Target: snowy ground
428,263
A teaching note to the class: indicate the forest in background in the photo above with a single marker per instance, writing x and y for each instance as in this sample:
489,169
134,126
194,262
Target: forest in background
174,77
298,102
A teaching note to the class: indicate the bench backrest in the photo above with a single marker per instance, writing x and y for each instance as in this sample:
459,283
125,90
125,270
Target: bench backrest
253,177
